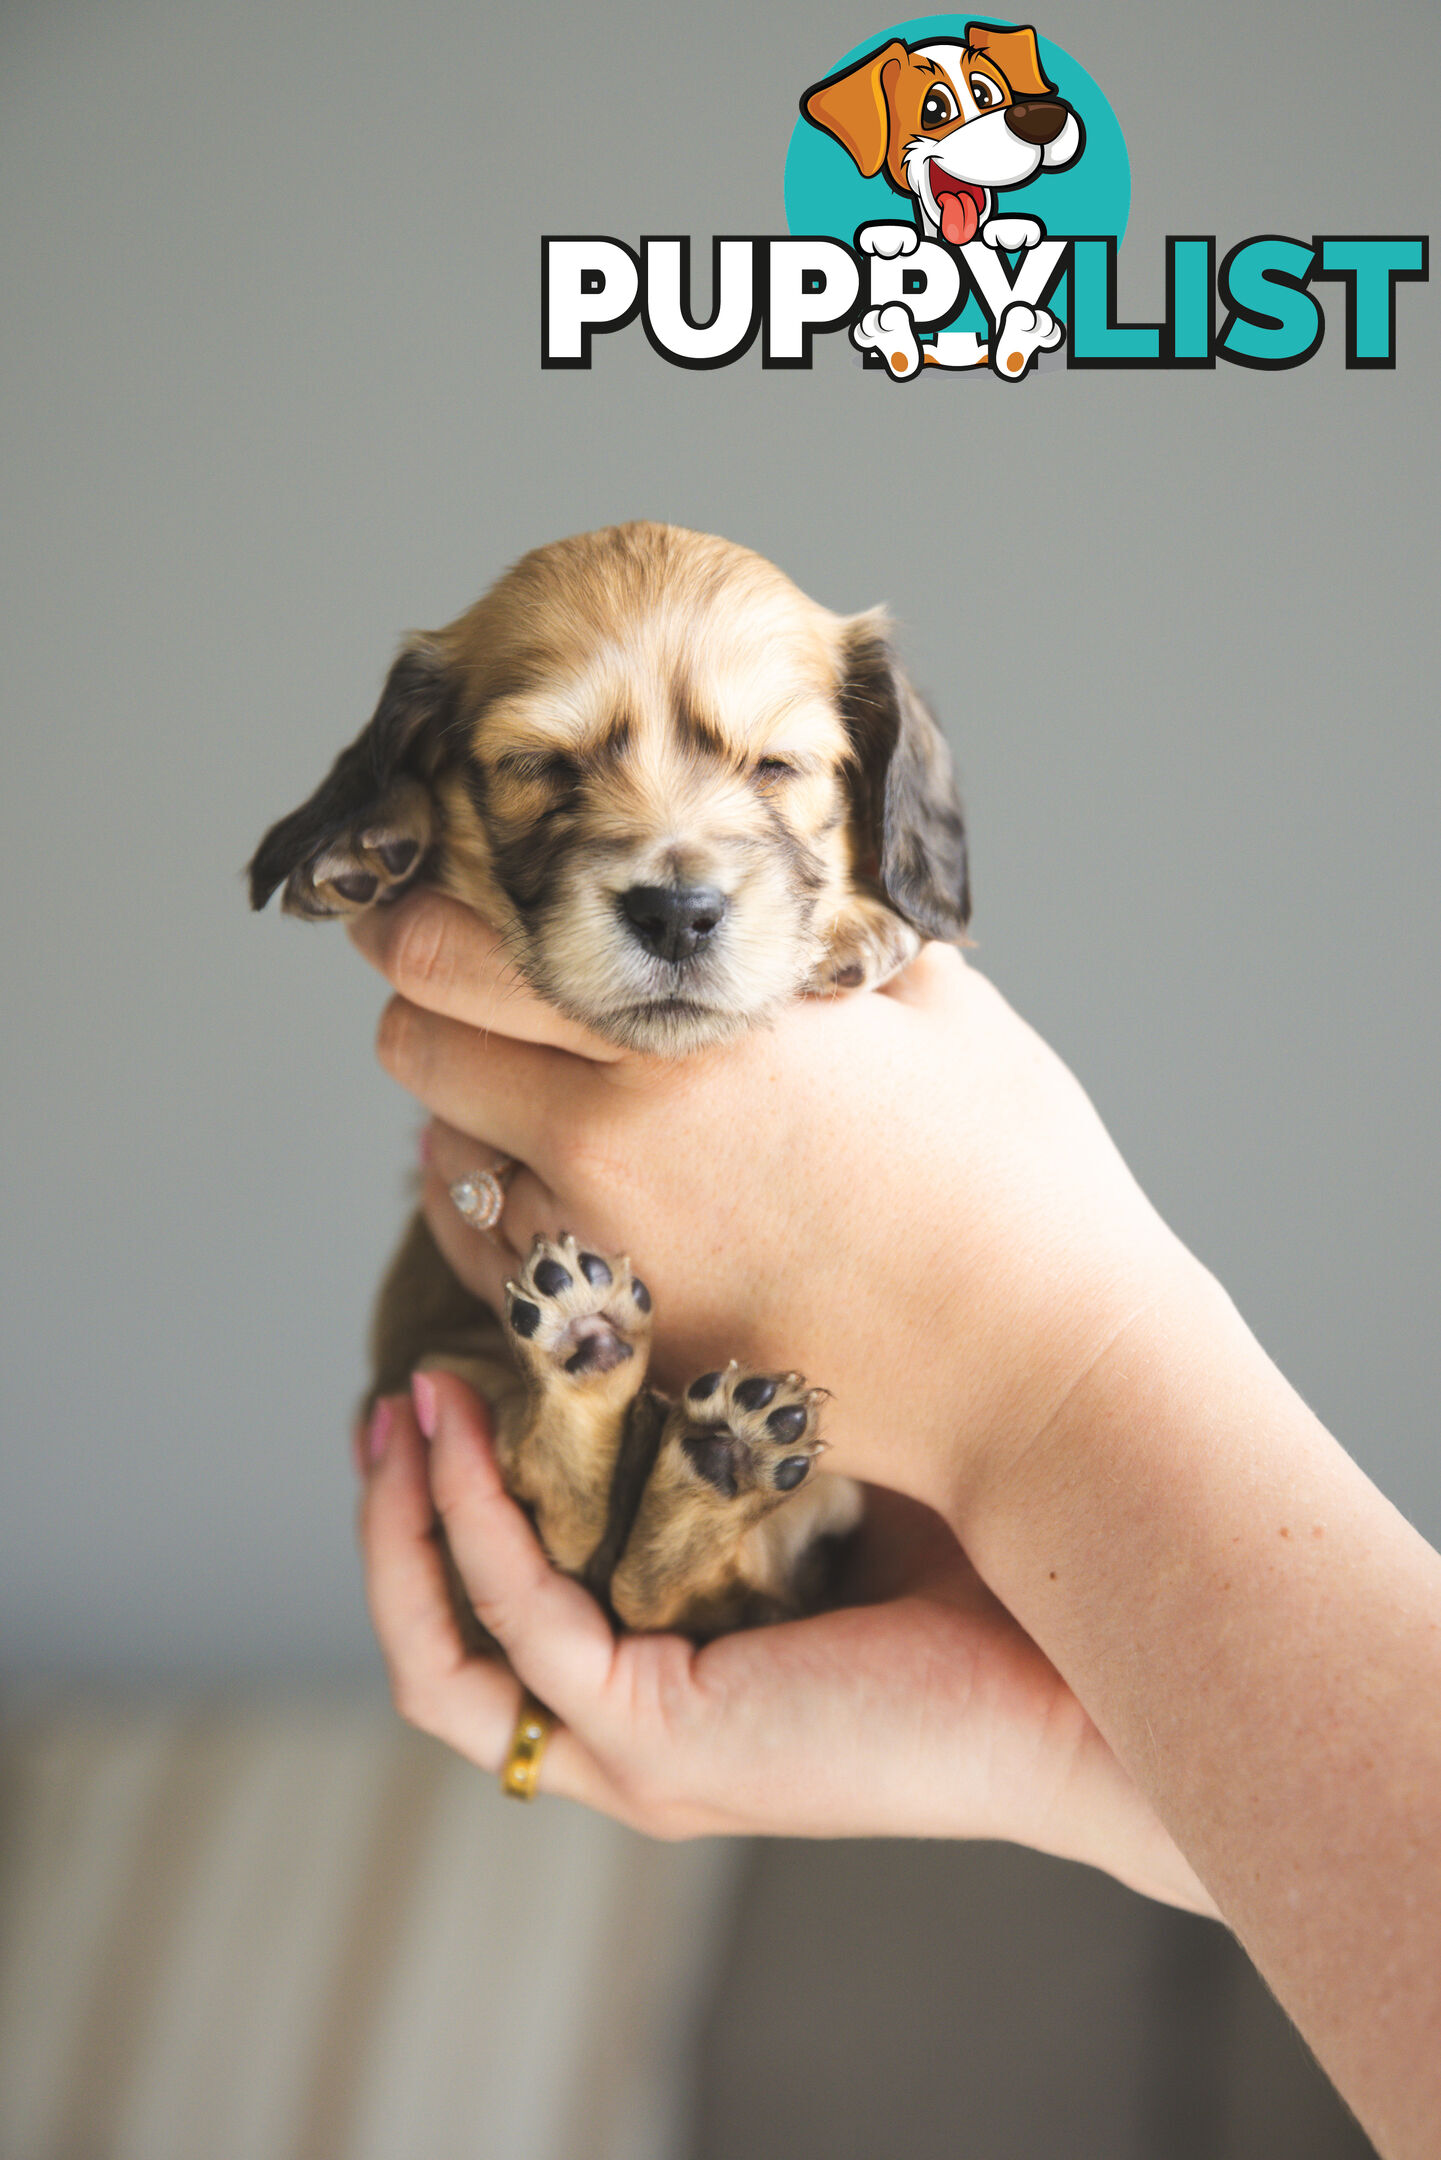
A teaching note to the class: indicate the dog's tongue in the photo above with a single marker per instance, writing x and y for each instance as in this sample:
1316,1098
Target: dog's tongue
959,218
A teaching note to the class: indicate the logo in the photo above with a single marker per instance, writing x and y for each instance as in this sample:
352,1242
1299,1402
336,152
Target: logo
956,194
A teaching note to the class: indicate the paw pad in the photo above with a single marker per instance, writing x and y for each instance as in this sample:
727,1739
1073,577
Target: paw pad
576,1312
374,860
749,1432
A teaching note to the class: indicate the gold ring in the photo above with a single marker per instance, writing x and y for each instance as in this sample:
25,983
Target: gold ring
520,1772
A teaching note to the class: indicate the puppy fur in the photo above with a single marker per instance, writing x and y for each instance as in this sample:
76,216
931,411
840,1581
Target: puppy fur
682,793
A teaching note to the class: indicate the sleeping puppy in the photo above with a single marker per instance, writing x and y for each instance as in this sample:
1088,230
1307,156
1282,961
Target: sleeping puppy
683,794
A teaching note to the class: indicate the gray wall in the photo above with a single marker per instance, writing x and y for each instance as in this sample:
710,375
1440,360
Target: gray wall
271,395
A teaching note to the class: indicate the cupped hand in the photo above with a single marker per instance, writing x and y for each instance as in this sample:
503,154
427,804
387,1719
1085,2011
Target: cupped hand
902,1194
922,1711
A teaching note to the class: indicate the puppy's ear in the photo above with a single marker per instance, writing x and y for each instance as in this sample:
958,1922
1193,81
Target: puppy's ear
907,807
852,107
1015,53
366,831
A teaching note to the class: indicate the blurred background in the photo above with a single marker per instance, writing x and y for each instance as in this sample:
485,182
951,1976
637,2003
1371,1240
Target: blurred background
271,396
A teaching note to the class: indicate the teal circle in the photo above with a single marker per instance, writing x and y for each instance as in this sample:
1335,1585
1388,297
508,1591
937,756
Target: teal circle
826,193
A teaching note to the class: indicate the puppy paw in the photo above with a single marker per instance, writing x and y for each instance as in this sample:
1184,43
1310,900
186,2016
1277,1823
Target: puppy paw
868,944
1013,233
747,1435
888,241
577,1316
1021,334
375,861
891,332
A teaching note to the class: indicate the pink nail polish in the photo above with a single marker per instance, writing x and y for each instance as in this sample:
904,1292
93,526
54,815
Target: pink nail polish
382,1417
422,1394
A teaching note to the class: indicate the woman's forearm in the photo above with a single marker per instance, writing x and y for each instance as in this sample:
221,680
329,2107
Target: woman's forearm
908,1197
1257,1633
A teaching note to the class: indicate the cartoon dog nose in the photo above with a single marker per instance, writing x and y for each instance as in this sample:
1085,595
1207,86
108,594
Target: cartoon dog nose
673,921
1037,123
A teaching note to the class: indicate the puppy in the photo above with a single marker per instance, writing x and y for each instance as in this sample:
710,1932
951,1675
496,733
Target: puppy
683,794
949,124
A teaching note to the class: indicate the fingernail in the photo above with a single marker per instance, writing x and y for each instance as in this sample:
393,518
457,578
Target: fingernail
425,1146
382,1417
422,1394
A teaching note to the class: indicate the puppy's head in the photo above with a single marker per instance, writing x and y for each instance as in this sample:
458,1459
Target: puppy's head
950,123
665,776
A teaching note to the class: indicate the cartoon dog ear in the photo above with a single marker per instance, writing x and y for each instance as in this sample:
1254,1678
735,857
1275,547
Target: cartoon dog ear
908,810
366,831
852,107
1015,53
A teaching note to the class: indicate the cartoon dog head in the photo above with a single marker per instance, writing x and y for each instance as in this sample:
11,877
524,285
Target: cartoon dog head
950,123
679,789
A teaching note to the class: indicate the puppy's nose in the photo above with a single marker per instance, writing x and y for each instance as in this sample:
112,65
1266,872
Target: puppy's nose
1038,123
673,921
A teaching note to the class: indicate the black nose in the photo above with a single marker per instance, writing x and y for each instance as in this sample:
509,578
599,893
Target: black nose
1039,122
673,921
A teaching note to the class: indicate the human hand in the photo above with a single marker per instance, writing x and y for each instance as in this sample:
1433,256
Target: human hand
922,1711
904,1194
907,1194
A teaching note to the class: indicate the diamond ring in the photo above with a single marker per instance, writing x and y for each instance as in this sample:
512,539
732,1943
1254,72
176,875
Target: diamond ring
480,1196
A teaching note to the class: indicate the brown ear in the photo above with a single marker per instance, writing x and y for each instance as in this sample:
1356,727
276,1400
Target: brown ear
852,107
366,831
907,805
1015,53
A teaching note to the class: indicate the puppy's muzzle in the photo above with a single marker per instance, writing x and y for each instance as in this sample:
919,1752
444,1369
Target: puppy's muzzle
1039,121
674,922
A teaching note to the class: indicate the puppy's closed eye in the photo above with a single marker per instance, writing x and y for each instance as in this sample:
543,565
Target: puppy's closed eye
592,727
552,765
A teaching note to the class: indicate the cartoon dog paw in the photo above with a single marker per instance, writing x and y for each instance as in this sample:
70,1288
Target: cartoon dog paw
577,1315
1012,233
888,240
748,1434
1022,333
890,332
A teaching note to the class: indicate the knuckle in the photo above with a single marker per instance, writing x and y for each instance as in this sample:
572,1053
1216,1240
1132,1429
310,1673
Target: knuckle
502,1613
395,1037
655,1805
648,1796
420,953
496,1615
445,1488
669,1827
414,1701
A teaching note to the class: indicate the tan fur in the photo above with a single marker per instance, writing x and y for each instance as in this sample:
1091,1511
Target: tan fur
598,629
631,708
699,1561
